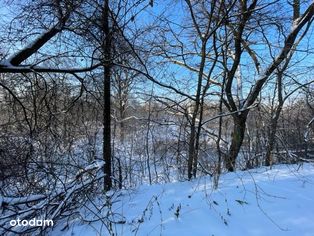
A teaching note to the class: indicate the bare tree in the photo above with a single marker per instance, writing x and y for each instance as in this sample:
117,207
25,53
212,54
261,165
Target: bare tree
241,44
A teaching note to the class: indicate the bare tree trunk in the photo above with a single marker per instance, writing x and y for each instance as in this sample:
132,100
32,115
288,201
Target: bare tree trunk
273,127
288,47
191,152
122,117
107,103
218,168
193,143
239,123
271,142
147,140
120,173
196,150
281,100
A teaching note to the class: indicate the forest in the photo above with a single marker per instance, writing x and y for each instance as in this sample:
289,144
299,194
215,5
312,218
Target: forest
101,98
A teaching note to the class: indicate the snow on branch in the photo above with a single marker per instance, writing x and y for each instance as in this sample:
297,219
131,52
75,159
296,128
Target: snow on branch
307,17
54,205
13,63
6,67
33,47
5,201
26,52
96,165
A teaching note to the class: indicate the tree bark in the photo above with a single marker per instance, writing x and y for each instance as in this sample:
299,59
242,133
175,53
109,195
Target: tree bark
272,134
106,97
239,123
191,153
271,142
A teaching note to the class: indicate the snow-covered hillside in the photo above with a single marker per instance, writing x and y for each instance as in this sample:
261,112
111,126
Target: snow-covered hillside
257,202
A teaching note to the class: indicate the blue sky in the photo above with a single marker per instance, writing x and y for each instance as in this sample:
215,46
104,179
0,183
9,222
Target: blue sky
177,15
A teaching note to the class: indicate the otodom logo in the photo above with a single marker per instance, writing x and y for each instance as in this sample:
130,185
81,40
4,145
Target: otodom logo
32,222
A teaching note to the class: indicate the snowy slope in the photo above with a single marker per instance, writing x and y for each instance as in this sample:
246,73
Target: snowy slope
257,202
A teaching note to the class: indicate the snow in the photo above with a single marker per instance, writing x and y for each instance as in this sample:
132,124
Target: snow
256,202
20,200
95,165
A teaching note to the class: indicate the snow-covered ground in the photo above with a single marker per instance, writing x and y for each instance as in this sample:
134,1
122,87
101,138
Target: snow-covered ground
256,202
